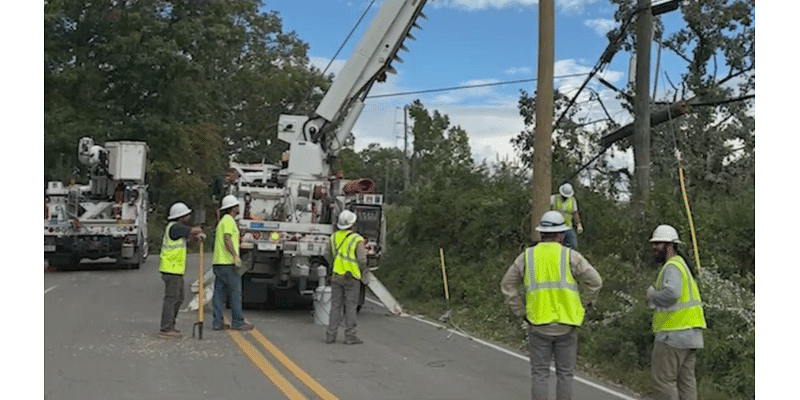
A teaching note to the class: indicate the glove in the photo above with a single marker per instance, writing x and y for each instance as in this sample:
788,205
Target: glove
237,261
201,236
580,229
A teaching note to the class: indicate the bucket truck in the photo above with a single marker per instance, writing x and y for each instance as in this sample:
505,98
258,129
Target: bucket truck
290,209
106,217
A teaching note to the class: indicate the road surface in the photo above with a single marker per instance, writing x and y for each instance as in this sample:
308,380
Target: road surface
101,342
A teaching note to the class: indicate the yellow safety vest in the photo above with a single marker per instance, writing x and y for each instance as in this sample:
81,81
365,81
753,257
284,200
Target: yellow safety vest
565,208
173,254
226,225
551,290
687,313
343,247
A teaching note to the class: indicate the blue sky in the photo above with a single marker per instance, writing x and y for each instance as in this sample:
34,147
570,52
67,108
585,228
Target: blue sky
468,42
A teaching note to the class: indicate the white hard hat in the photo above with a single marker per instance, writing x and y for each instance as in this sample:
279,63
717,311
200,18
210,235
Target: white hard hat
552,222
178,210
566,190
665,233
346,219
228,202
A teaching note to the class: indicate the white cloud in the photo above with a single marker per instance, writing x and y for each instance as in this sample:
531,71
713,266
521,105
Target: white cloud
601,26
525,71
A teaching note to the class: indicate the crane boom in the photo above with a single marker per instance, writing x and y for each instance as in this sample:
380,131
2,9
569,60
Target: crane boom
369,62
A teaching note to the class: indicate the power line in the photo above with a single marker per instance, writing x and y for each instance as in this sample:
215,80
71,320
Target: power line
469,86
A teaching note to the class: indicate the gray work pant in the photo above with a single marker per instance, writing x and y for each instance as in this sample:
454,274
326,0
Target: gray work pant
672,370
173,298
344,302
543,349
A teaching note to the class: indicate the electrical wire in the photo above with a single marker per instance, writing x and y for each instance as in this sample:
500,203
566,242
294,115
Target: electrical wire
469,86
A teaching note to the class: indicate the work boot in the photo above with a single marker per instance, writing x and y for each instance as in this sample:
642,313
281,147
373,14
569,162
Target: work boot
330,339
221,328
243,327
353,340
169,335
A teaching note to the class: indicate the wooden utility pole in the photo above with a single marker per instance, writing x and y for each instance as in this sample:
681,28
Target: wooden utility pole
542,136
406,175
641,106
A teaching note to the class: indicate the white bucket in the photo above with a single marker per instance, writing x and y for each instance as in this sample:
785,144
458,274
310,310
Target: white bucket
322,305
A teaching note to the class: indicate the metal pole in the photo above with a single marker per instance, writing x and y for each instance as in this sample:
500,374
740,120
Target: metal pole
542,138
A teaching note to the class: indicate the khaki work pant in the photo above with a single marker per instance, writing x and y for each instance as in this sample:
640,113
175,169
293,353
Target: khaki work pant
344,303
672,370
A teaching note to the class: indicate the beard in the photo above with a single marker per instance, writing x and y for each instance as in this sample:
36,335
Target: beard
659,257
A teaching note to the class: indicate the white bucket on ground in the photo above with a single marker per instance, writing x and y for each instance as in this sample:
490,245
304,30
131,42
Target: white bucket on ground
322,305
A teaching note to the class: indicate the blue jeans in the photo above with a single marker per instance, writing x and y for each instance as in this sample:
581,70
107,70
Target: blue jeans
543,349
570,239
227,287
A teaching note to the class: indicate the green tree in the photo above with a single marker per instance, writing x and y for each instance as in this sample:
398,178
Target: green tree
176,74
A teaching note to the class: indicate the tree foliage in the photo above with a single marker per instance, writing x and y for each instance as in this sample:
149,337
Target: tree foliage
199,81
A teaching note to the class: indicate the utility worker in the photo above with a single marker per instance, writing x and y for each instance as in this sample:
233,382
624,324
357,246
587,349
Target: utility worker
567,205
349,255
172,265
553,308
678,321
225,185
227,281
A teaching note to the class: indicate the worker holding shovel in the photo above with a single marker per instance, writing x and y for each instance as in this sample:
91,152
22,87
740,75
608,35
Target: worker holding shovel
172,265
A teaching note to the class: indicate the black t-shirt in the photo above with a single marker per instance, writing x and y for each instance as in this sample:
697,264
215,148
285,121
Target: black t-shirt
179,230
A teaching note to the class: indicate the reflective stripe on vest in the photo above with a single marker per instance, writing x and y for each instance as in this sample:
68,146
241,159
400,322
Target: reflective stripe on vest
565,208
687,312
173,254
551,290
343,247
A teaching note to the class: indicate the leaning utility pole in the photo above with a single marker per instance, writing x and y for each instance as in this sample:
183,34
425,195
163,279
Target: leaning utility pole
543,100
641,106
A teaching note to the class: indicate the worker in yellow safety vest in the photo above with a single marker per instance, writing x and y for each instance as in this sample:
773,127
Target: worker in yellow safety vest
678,321
225,263
172,265
565,203
553,308
349,258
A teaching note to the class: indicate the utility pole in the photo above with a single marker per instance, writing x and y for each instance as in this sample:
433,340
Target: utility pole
542,136
406,174
641,106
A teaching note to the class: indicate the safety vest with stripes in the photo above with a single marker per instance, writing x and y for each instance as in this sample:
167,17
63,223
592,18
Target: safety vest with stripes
173,254
687,312
551,291
565,208
343,247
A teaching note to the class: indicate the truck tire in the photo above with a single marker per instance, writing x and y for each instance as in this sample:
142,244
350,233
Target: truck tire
141,255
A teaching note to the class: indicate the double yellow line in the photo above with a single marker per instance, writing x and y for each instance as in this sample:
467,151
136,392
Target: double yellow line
272,373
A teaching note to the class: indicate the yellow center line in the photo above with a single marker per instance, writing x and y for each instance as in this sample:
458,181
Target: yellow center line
269,371
307,380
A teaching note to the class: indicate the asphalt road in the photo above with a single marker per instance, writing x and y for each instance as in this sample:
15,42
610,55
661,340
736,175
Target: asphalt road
101,342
